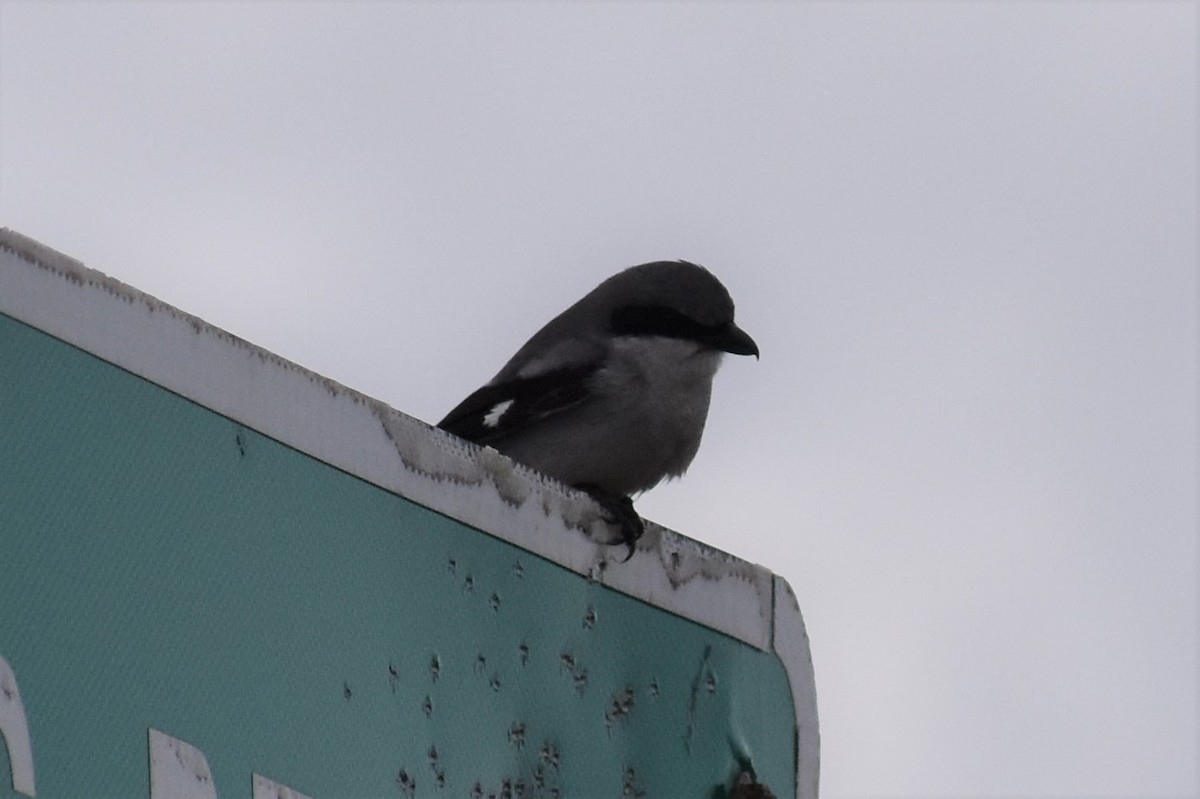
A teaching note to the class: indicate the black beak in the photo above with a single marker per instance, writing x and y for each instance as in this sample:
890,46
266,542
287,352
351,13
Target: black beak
733,339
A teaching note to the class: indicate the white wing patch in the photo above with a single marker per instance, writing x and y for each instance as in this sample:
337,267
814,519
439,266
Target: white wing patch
492,417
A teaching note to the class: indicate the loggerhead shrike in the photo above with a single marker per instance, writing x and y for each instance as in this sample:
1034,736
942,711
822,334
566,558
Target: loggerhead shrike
611,396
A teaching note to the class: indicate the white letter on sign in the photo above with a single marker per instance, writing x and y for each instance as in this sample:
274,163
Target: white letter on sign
178,770
269,789
15,731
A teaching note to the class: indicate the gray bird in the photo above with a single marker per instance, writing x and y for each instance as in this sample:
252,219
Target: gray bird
612,394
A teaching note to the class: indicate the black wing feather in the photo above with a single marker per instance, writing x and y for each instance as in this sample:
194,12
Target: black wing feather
533,399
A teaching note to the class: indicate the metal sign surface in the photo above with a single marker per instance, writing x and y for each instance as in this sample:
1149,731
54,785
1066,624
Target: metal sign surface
196,601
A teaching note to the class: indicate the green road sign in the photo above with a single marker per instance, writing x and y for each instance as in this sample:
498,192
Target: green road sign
224,576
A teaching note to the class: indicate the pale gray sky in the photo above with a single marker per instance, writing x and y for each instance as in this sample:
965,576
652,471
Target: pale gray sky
964,236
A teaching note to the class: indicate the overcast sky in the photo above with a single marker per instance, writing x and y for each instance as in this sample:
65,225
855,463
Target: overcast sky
964,236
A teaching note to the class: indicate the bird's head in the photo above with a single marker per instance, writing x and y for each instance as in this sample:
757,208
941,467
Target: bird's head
674,299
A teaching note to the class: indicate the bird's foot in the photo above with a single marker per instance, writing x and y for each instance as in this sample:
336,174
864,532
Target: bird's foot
619,512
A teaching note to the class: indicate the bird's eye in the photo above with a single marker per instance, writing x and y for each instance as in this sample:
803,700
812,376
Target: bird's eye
655,320
659,320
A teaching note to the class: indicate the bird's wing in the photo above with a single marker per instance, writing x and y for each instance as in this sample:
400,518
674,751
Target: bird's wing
508,406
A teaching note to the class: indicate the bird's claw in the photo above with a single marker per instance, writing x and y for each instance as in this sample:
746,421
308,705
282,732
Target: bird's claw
619,512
